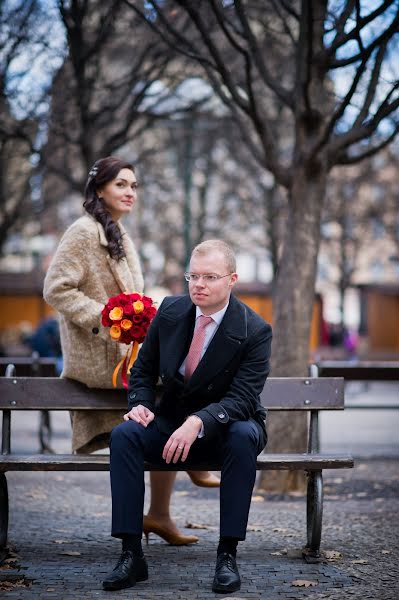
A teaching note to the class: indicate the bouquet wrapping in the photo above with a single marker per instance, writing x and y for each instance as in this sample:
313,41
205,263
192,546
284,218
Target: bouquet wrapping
128,316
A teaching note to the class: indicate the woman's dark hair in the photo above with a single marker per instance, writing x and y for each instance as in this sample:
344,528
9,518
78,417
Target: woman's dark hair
103,171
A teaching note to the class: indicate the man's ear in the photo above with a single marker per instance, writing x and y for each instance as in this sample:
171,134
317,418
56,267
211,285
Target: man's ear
233,279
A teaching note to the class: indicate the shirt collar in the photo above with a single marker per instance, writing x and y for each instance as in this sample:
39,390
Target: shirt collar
217,316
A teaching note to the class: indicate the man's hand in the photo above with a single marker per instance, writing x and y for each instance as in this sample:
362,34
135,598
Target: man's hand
181,440
141,414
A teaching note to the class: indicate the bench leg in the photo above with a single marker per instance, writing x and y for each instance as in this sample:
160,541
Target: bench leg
3,511
314,515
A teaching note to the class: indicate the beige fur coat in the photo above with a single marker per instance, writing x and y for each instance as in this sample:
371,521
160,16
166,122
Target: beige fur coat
81,278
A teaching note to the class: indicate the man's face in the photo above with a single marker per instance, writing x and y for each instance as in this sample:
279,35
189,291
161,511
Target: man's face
210,296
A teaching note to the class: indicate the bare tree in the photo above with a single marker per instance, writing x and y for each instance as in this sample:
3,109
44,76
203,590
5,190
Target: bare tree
327,129
260,56
117,81
361,219
19,112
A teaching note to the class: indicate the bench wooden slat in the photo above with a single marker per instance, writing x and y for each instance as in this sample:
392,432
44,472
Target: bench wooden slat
360,370
100,462
53,393
26,366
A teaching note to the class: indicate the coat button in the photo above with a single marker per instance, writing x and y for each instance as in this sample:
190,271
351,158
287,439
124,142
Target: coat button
221,415
95,330
132,395
210,386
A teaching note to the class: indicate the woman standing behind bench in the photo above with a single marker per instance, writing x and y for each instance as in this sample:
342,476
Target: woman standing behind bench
96,259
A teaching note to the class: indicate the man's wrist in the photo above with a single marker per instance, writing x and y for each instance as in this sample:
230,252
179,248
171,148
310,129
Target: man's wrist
197,420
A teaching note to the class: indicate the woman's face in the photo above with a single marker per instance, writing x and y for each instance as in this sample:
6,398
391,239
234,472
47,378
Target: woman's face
120,193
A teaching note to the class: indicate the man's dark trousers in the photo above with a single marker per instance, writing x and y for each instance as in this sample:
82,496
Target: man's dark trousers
236,451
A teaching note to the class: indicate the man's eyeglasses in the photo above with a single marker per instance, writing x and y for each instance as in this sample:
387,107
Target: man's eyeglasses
207,278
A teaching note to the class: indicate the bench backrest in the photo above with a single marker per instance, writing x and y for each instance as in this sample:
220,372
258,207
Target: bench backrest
54,393
360,370
28,366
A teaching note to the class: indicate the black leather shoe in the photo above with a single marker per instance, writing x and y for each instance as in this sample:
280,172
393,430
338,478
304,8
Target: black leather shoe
129,569
227,577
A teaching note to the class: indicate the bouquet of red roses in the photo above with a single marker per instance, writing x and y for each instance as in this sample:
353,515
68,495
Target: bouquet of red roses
128,316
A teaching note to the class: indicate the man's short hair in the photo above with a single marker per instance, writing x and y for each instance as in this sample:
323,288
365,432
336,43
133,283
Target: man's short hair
219,246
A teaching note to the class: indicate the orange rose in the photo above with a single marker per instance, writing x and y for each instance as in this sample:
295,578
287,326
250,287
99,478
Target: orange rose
126,324
138,307
116,313
115,332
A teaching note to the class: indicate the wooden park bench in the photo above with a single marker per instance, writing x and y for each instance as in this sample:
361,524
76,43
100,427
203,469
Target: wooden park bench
299,394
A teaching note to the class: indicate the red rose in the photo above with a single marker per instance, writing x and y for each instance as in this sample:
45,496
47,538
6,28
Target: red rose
128,309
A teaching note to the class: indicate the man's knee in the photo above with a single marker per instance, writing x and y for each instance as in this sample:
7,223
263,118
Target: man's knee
124,433
242,434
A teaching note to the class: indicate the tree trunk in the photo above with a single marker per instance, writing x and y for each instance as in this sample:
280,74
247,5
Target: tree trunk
293,300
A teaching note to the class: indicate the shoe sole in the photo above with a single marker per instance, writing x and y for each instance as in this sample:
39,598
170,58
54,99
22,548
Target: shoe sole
128,584
218,589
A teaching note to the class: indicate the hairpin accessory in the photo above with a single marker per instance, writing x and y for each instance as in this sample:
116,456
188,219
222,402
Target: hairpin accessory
93,171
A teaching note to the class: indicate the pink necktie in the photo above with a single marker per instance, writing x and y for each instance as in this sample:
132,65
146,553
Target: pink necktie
197,343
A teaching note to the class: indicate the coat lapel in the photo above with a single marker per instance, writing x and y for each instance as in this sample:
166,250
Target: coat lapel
175,334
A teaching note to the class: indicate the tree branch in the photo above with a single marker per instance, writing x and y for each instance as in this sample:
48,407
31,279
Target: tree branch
345,159
342,38
385,35
281,93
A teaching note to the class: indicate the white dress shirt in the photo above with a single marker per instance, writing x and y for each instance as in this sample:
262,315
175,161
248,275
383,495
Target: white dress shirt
210,331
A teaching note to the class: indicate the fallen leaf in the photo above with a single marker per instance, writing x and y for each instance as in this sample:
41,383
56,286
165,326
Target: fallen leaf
198,526
361,494
280,530
50,590
338,480
279,552
16,582
385,552
36,495
8,564
254,528
258,499
182,493
332,555
71,553
304,583
360,562
61,541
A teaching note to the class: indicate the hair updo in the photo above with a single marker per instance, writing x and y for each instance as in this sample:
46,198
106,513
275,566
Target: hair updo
103,171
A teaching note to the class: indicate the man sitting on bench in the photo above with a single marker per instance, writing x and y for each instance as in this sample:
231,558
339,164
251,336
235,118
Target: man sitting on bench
212,354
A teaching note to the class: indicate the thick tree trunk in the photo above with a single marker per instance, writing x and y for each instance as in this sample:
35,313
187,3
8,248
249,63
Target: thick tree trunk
292,312
293,296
